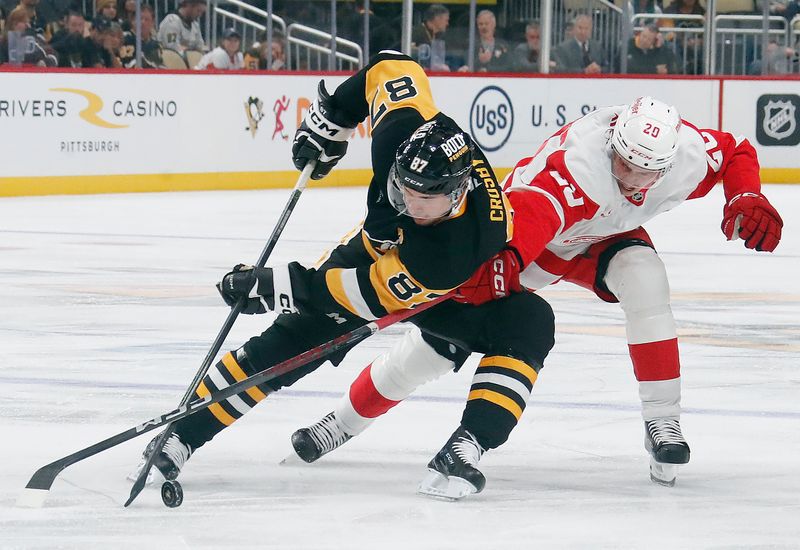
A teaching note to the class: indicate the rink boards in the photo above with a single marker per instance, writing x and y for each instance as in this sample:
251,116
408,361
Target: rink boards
74,132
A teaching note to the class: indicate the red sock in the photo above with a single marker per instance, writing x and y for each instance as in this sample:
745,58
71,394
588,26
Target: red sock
655,361
365,397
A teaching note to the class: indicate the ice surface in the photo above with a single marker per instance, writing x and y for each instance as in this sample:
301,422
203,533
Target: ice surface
107,307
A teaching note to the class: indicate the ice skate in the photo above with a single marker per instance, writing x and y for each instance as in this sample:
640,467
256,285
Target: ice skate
453,472
319,439
169,461
667,447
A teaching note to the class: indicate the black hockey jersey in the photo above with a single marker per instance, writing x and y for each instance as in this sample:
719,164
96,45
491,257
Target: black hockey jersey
408,264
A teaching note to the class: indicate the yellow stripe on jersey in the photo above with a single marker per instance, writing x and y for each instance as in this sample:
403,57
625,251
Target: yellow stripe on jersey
333,279
344,240
218,412
498,399
510,363
510,222
369,247
396,84
238,374
394,286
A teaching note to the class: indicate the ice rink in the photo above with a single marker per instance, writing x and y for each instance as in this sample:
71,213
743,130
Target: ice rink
107,308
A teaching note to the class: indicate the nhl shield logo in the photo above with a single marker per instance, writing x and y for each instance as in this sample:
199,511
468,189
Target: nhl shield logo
779,121
776,119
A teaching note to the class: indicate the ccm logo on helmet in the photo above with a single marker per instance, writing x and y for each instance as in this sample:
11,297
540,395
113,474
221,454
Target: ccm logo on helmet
641,153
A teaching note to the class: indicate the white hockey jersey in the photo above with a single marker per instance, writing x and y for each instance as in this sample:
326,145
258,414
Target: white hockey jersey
565,198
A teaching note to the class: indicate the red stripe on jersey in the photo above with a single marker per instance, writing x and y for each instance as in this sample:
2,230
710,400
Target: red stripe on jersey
655,361
552,263
365,397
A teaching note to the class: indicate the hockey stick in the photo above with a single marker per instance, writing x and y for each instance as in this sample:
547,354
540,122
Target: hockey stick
39,485
302,180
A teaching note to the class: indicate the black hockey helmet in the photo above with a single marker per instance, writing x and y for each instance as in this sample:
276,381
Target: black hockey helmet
435,160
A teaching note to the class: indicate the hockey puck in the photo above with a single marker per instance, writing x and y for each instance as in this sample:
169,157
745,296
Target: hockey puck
172,494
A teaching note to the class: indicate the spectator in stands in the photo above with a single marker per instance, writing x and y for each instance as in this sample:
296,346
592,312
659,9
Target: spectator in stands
686,7
102,47
779,60
427,40
648,55
384,33
181,31
19,44
107,9
38,24
151,49
580,54
2,19
687,45
788,9
68,41
127,14
226,56
256,58
569,30
492,52
525,57
18,21
278,54
644,6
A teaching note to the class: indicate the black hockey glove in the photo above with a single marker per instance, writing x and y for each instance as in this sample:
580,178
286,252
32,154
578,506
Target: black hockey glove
322,136
259,286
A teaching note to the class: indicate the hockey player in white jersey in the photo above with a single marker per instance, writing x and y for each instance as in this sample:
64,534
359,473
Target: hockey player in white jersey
579,203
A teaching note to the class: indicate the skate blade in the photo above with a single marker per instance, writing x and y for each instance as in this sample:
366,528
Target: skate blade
663,474
439,486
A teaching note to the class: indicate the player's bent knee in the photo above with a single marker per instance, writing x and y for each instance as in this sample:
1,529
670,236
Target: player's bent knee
409,364
638,278
523,326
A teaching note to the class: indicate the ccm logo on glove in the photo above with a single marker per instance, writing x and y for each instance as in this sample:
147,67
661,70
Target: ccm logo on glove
495,279
257,286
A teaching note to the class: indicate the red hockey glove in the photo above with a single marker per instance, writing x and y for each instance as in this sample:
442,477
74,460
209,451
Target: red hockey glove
493,280
751,217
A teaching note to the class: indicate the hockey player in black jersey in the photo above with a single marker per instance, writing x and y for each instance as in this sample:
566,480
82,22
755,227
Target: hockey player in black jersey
435,215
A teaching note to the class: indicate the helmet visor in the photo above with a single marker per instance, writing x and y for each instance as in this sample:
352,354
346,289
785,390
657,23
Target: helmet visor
420,206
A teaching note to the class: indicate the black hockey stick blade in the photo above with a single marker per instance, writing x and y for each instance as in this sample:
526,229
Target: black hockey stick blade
38,487
302,181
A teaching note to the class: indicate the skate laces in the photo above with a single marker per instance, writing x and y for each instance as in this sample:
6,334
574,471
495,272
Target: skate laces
666,431
176,450
326,434
467,448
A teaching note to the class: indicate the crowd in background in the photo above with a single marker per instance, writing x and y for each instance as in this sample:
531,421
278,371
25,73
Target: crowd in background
32,34
55,34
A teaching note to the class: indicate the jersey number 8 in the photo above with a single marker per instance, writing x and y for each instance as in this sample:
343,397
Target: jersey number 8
397,90
403,287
